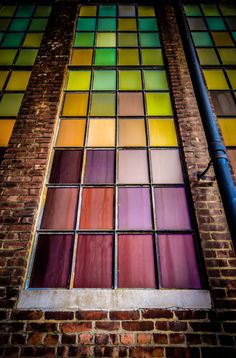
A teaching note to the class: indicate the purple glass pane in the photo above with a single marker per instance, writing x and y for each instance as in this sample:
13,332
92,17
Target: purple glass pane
100,167
136,261
178,262
66,167
93,267
52,261
171,209
134,209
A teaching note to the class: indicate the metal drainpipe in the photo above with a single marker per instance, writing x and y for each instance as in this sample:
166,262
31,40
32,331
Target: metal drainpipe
216,147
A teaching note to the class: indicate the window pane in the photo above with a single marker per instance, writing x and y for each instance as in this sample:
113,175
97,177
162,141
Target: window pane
228,55
105,57
101,132
7,57
42,11
103,104
130,80
222,39
106,39
88,11
166,167
6,127
210,10
81,57
133,168
33,40
178,262
136,265
147,25
224,103
107,10
215,23
162,132
79,80
88,24
207,56
12,40
128,57
192,10
126,11
231,22
104,80
7,10
127,39
202,39
38,24
215,79
10,104
100,167
155,80
75,104
25,11
26,57
130,104
18,81
106,25
3,77
149,39
196,24
232,77
127,25
228,128
228,9
158,104
84,39
19,25
71,133
144,11
67,166
132,133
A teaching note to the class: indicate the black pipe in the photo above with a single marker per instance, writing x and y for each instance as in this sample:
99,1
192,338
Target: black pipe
216,147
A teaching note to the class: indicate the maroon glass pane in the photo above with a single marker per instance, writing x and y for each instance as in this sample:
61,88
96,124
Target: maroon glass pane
66,167
2,152
60,209
224,103
100,167
97,208
171,209
136,264
178,262
93,267
52,261
134,209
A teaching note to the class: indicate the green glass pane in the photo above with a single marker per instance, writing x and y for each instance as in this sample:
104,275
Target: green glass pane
7,57
228,10
227,55
201,39
147,24
103,104
107,10
127,39
107,25
1,36
12,40
10,104
106,39
149,39
79,80
19,25
84,40
104,80
130,80
192,10
151,57
25,11
207,56
38,25
232,77
155,80
88,24
158,104
4,24
3,77
234,35
32,39
7,11
210,10
128,57
105,57
26,57
42,11
215,23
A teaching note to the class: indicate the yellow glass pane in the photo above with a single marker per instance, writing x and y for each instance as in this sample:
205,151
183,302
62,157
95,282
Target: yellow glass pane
79,80
222,39
146,11
130,80
228,9
33,40
215,79
151,57
227,55
158,104
101,132
232,77
128,57
162,133
18,81
71,133
6,127
207,56
75,104
88,11
81,57
127,25
3,77
228,128
132,133
106,39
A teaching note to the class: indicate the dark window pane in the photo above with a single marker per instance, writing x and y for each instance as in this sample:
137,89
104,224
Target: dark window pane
93,267
231,21
196,24
224,103
136,261
60,209
100,167
67,165
178,262
52,261
134,209
2,152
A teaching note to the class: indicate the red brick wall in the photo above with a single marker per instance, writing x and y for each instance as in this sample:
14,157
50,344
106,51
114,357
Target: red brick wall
141,333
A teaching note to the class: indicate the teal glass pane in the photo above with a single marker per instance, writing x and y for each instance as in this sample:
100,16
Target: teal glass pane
215,23
25,11
26,57
155,80
12,40
192,10
88,24
149,39
147,24
84,40
7,57
107,24
4,24
202,39
7,11
10,104
19,25
234,35
38,25
107,10
42,11
105,57
104,80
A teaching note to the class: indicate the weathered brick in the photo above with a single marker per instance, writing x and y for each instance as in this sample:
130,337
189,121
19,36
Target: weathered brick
107,326
127,339
124,315
91,315
144,338
137,326
157,313
146,352
26,315
75,327
59,316
160,338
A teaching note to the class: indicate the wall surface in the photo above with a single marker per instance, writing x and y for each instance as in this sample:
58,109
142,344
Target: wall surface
138,333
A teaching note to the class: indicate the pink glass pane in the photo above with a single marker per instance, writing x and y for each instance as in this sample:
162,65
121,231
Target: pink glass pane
100,167
133,168
134,209
52,261
166,166
171,209
60,209
130,104
178,262
136,268
93,267
67,165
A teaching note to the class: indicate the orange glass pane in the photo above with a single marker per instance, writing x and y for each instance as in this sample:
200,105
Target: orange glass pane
6,127
75,104
71,133
81,57
101,132
222,39
132,133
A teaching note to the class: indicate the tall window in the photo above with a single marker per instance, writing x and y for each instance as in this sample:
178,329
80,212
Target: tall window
115,212
214,34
